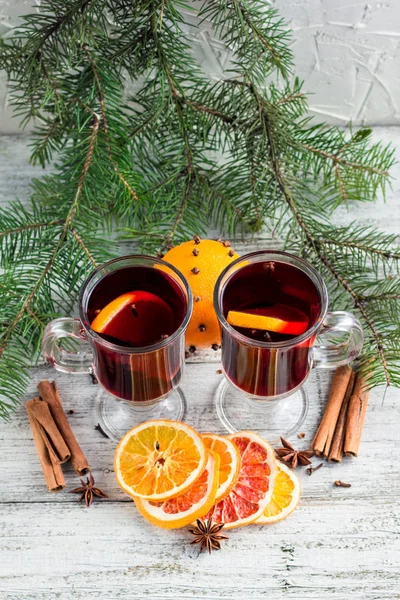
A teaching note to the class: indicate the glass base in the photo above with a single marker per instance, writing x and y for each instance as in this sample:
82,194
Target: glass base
116,417
270,418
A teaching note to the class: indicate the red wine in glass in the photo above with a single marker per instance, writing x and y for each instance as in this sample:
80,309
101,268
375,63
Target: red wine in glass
269,369
136,366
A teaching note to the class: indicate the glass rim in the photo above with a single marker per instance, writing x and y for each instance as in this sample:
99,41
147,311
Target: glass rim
83,298
320,285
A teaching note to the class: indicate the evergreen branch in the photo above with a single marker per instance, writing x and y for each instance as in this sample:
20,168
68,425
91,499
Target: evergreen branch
372,297
315,244
387,254
100,94
44,143
52,29
8,332
341,184
184,153
29,227
208,110
181,210
347,163
84,247
239,6
291,98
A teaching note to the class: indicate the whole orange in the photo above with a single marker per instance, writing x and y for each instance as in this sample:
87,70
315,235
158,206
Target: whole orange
201,262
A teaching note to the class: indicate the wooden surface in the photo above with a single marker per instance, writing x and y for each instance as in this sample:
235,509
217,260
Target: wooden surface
340,542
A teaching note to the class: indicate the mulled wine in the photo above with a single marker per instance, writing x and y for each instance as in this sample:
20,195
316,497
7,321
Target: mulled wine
137,309
268,303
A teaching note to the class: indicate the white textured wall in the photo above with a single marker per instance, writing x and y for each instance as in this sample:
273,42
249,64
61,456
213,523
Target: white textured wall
347,52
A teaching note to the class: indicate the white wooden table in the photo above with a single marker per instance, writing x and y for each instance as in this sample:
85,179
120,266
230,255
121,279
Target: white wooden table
340,542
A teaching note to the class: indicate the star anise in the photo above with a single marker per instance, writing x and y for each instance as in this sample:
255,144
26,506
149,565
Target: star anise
88,491
293,457
207,535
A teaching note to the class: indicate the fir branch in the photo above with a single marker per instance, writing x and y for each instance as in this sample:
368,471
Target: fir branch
337,160
359,245
184,153
100,94
8,332
84,247
29,227
315,244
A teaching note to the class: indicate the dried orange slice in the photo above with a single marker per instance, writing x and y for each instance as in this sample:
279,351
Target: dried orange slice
279,318
159,459
138,318
194,503
285,497
229,462
252,492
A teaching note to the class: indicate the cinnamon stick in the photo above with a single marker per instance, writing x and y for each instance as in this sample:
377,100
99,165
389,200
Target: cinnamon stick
323,438
52,472
355,417
56,447
336,449
49,393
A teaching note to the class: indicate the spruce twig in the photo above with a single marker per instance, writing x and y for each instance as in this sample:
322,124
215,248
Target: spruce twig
185,153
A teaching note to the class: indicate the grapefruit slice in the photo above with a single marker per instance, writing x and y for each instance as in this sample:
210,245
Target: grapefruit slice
137,318
285,497
252,492
229,462
279,318
195,502
159,459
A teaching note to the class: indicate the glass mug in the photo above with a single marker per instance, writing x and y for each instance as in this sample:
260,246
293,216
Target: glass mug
143,379
264,376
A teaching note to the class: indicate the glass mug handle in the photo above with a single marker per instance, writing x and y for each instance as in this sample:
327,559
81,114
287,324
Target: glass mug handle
67,361
339,342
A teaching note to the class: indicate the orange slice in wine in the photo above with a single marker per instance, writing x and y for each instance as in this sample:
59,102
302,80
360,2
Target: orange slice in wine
193,504
252,492
138,318
279,318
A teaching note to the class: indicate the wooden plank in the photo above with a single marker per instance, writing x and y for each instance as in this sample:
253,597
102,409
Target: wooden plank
340,549
18,454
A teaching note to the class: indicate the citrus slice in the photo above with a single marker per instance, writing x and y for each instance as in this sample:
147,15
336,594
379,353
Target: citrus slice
159,459
285,497
138,318
279,318
195,502
253,489
229,462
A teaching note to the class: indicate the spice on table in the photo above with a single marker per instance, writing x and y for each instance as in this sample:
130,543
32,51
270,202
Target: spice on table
336,449
207,535
93,377
49,393
301,435
355,417
57,449
310,470
88,491
99,428
323,438
293,457
339,483
52,471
